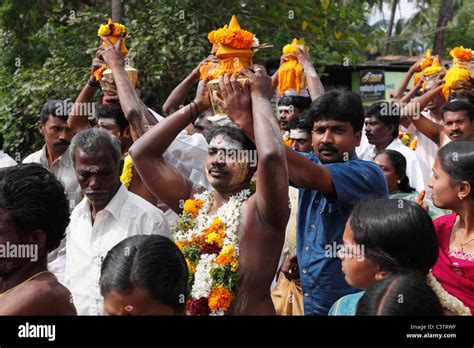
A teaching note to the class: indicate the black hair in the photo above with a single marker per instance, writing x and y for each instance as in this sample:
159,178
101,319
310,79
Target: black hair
302,121
1,141
55,107
399,164
115,113
457,159
397,235
382,111
300,102
341,105
401,294
152,262
458,105
35,200
232,132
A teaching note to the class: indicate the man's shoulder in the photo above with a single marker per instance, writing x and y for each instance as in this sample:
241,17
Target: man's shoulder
34,157
141,205
46,297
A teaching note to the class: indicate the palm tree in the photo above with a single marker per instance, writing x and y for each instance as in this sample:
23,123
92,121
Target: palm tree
445,10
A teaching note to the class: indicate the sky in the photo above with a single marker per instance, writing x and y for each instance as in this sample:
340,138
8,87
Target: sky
405,9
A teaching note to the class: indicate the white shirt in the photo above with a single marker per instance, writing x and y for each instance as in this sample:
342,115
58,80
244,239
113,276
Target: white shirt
426,148
414,172
188,154
6,161
127,214
63,169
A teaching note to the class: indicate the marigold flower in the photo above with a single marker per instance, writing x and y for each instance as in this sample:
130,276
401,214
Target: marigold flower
220,298
461,54
193,206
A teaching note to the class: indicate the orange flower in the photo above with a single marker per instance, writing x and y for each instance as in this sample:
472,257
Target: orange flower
220,298
461,54
232,38
98,72
193,206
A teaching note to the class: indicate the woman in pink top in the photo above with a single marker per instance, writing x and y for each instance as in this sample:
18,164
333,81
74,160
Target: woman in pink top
452,184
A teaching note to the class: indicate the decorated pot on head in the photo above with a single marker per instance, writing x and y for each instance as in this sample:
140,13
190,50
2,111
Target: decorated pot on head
113,31
234,48
459,72
291,78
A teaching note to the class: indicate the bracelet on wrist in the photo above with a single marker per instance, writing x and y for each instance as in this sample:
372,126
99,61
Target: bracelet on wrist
93,82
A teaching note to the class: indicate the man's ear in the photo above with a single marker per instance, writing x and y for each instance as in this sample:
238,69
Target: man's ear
127,132
40,125
38,237
357,138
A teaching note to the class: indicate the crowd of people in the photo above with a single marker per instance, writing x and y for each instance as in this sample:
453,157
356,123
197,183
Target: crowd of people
312,205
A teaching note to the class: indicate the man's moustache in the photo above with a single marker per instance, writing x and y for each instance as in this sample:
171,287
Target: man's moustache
328,148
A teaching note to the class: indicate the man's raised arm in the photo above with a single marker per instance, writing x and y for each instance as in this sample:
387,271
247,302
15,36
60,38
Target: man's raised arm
162,179
272,174
425,126
136,114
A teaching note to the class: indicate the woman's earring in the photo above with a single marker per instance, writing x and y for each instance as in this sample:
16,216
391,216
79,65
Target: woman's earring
379,276
399,181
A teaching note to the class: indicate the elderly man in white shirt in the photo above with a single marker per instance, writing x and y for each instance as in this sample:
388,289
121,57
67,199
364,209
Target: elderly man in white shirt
108,214
54,155
5,160
381,130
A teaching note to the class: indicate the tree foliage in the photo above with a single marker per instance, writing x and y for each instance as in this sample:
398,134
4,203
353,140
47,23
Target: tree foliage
47,46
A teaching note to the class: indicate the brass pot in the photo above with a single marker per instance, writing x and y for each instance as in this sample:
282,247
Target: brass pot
213,86
132,74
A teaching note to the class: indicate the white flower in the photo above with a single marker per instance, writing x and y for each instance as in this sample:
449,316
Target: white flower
202,278
447,300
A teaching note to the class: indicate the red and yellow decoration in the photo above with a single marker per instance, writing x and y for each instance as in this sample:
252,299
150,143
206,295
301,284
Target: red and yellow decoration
290,74
459,71
111,31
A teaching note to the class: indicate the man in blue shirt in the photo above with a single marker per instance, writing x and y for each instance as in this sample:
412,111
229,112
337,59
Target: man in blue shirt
331,180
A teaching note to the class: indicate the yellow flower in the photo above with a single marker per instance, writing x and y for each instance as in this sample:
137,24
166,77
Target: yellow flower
104,30
220,298
454,75
214,237
193,206
127,172
191,266
227,257
111,28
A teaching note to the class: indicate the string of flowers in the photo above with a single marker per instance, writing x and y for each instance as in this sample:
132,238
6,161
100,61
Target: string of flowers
127,172
209,244
447,300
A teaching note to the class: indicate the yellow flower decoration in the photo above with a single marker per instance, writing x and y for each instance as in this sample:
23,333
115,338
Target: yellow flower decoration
220,298
227,257
191,266
111,28
193,206
458,72
127,172
214,237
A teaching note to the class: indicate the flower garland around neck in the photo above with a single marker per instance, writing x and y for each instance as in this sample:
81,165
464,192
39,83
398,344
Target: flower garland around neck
209,244
127,171
448,301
